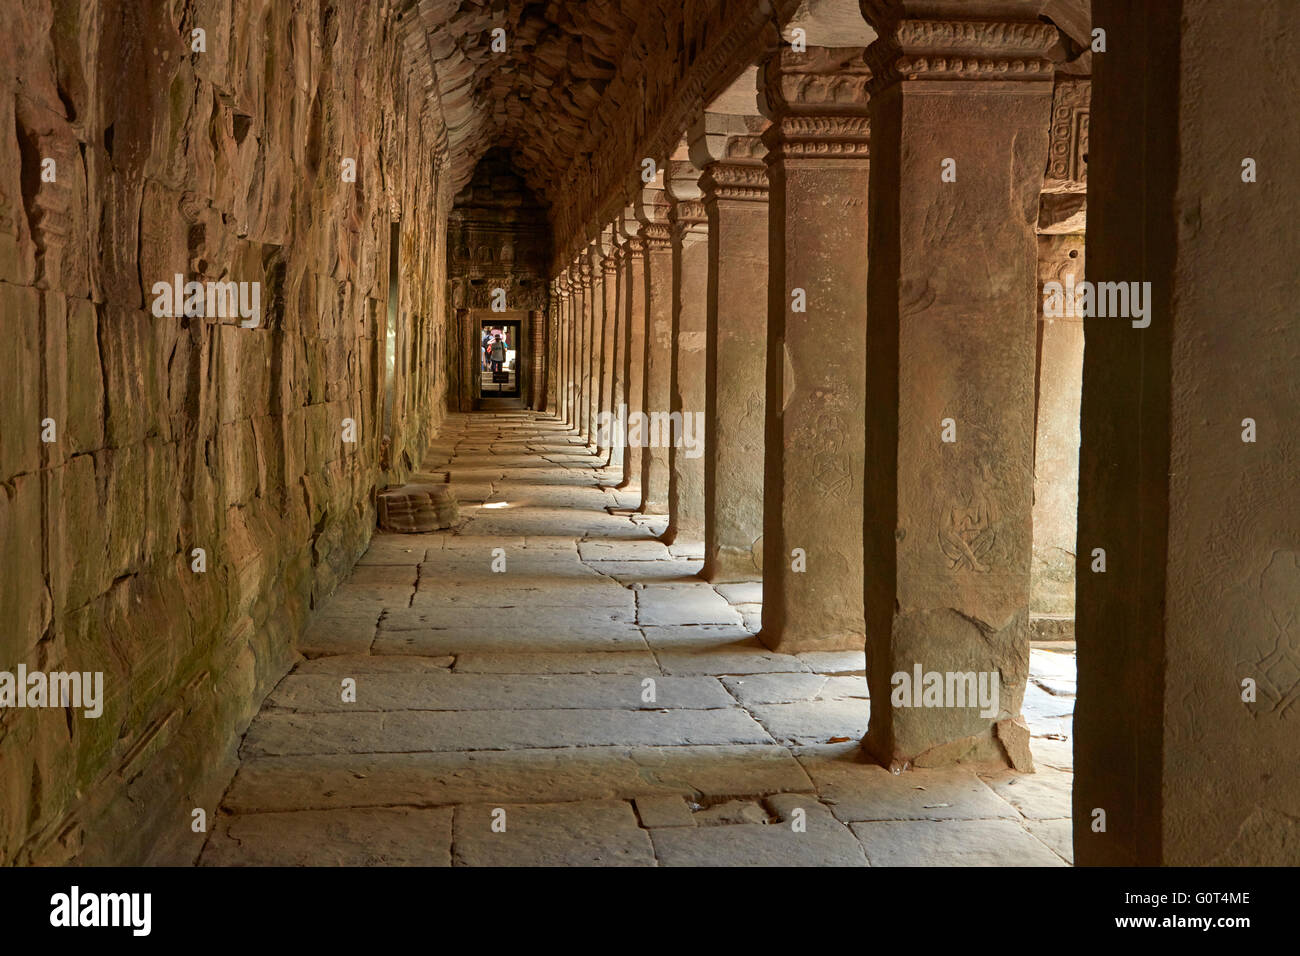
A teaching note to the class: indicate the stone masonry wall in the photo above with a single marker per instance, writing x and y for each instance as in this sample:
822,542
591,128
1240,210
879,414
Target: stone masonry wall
172,434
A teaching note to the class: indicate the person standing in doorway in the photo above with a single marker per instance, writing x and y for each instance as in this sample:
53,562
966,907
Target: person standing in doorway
498,353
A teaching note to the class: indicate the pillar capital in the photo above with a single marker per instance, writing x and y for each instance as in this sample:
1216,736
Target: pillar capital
686,209
651,207
919,40
629,231
817,102
746,182
729,148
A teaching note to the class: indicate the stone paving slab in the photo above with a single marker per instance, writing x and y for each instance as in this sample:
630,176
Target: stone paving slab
323,781
351,837
488,637
649,549
846,687
399,549
603,833
1039,704
440,690
630,573
856,789
743,592
664,811
353,665
774,688
593,621
631,661
1044,795
957,843
524,591
1057,834
660,605
824,842
813,721
1058,754
835,662
332,634
283,733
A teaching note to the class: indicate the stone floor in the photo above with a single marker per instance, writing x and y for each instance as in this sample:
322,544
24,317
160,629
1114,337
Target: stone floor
550,667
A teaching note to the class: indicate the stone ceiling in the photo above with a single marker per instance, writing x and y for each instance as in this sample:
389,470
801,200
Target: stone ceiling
540,95
585,88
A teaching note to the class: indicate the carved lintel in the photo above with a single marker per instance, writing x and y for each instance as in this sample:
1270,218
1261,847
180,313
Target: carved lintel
961,50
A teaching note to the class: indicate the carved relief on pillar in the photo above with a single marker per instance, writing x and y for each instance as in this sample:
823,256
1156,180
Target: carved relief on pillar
735,181
921,48
817,101
1067,156
657,235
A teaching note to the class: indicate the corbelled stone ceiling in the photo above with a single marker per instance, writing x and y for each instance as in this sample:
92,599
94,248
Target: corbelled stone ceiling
541,95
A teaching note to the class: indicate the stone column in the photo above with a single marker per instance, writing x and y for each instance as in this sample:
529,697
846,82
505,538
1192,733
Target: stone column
582,373
655,232
555,349
690,246
617,397
634,304
1056,445
1189,663
575,343
562,345
959,125
1061,221
609,324
734,185
817,315
596,334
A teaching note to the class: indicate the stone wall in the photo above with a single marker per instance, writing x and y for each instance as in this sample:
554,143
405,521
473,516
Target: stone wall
172,434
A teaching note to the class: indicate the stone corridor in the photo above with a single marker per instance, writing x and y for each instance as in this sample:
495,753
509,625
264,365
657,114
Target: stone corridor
529,690
859,356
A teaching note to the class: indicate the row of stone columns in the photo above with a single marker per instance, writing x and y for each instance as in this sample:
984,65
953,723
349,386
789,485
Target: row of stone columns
859,339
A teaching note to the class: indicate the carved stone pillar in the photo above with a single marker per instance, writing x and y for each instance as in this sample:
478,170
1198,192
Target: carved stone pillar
617,396
595,340
555,382
960,112
817,316
1189,663
690,245
656,233
586,281
608,338
1061,221
574,343
634,305
734,185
